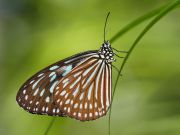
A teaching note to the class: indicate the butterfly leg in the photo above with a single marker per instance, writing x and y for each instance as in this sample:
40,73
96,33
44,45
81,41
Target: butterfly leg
116,69
118,56
119,50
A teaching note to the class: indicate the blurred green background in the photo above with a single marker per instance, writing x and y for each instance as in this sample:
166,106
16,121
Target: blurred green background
36,33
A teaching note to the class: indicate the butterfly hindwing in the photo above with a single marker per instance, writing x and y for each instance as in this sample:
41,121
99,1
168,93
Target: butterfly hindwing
85,93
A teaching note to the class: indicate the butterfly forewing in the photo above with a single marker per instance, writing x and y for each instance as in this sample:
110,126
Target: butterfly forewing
36,94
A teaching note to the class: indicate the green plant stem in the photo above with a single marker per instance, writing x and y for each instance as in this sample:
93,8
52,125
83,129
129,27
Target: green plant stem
49,126
162,13
135,23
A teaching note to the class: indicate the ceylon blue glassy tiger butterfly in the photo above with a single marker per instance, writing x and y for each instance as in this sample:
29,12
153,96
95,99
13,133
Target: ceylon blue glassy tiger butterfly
78,86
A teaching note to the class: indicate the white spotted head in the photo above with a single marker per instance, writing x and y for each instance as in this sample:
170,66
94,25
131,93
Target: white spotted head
106,52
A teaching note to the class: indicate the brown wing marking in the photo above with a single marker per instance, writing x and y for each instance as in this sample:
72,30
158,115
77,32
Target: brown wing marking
82,93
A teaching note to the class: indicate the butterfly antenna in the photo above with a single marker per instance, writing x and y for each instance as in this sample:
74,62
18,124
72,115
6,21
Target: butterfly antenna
105,26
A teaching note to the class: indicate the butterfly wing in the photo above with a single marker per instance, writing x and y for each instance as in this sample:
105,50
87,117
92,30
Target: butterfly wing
85,93
36,94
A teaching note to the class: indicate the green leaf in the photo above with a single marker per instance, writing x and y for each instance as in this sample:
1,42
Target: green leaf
161,14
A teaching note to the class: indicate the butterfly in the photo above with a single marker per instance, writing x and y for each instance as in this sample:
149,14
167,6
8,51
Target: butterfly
79,86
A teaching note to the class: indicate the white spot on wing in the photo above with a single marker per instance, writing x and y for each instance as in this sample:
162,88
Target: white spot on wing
80,106
47,109
85,106
90,106
35,93
47,99
90,90
66,95
54,67
34,85
40,74
19,99
24,91
54,110
65,84
81,97
43,109
53,86
79,114
68,110
77,80
37,103
83,80
58,100
42,92
76,91
76,105
56,92
53,78
26,97
65,80
51,74
62,93
77,74
95,105
31,82
57,110
67,70
67,101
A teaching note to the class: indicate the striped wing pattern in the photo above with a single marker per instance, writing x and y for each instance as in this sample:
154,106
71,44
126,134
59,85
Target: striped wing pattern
78,87
36,94
85,93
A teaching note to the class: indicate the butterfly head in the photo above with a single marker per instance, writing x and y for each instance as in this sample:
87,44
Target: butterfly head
106,53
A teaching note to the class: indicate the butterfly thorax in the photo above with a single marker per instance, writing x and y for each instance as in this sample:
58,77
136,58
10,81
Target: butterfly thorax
106,52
